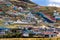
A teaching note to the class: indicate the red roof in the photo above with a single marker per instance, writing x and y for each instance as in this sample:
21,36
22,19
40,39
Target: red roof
1,2
0,10
48,33
52,18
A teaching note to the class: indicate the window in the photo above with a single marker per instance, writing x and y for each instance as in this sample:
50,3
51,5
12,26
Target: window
51,35
46,35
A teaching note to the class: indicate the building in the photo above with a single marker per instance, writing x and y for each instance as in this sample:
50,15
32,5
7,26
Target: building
49,34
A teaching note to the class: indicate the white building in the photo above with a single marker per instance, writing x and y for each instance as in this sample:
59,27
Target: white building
56,15
29,16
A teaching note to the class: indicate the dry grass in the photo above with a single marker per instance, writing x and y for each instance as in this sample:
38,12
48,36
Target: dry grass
30,39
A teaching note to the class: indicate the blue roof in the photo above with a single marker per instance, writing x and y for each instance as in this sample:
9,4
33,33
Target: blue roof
43,16
3,28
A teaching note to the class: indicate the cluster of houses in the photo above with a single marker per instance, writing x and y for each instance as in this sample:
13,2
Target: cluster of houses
19,15
30,32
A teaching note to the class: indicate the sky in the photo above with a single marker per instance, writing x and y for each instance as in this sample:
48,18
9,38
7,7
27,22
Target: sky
55,3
